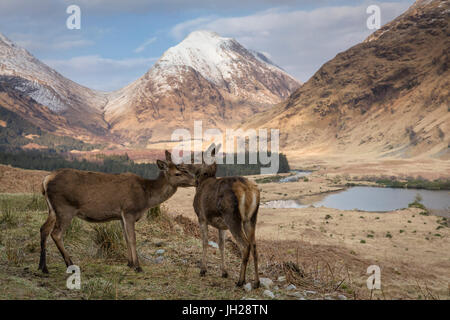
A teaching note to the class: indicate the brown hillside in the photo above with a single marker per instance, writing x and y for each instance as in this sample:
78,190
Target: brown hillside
387,96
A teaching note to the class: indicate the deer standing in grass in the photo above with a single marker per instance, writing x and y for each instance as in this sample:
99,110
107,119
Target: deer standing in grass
102,197
229,203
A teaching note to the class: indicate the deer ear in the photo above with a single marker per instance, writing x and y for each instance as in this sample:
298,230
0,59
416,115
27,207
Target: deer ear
162,165
168,156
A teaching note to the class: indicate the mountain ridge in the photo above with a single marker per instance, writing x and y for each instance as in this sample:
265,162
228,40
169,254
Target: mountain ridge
385,97
205,77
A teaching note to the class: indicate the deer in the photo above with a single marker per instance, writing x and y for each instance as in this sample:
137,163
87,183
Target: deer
227,203
101,197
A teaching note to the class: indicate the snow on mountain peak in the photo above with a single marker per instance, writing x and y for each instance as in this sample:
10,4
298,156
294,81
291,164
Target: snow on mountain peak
218,59
206,52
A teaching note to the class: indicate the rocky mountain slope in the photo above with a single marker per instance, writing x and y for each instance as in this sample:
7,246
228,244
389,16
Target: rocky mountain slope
45,97
387,96
205,77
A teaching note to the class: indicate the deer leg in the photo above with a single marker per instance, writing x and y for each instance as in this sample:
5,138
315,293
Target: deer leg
255,262
222,257
236,229
204,231
46,228
57,236
131,234
249,227
129,256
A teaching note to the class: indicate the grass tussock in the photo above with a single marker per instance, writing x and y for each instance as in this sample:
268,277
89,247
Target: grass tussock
9,216
109,239
73,232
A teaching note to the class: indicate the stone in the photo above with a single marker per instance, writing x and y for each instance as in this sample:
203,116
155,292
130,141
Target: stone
297,295
310,292
281,278
248,287
160,251
342,297
266,282
291,287
269,294
213,244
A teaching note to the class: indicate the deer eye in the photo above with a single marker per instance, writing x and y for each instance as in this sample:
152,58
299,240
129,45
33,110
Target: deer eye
178,174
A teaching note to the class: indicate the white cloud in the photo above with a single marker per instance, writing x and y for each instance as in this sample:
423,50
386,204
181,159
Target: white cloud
144,45
50,41
300,41
97,72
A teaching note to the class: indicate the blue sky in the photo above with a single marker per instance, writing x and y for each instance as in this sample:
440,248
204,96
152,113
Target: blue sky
120,40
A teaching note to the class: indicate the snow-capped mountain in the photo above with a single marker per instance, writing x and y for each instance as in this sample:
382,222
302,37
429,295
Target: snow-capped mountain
204,77
24,74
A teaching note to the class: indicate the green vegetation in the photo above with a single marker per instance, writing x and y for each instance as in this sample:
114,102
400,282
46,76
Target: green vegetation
224,170
50,160
419,183
417,203
40,160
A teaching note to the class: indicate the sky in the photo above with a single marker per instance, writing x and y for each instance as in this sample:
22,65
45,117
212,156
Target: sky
120,40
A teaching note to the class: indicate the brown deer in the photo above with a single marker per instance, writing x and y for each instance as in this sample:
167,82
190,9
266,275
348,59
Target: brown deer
229,203
102,197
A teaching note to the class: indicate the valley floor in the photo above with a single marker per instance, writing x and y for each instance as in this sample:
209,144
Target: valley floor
324,252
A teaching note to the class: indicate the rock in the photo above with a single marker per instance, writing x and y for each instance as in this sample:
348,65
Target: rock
329,298
160,251
266,282
269,294
310,292
248,287
276,288
291,287
296,294
213,244
281,279
245,298
342,297
159,259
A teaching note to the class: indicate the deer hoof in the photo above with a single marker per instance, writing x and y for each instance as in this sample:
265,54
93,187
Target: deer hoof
45,270
138,269
130,264
224,274
256,284
202,273
240,283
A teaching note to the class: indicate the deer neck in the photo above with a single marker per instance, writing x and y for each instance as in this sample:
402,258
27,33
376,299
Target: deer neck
159,190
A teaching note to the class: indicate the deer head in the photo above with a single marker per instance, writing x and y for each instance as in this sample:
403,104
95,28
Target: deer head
177,175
